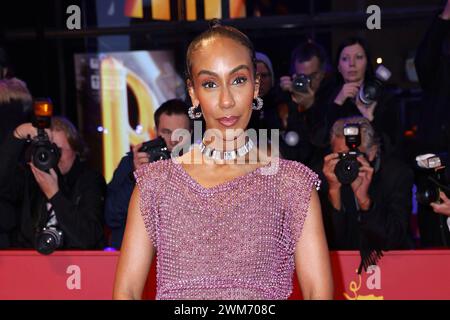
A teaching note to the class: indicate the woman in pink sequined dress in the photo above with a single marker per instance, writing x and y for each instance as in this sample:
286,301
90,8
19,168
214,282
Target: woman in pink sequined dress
224,226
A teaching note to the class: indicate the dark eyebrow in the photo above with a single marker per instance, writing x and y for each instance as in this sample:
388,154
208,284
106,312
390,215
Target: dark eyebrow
210,73
242,66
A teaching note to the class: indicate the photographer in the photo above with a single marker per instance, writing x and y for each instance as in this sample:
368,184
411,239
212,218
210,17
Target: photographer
432,179
366,197
171,115
68,197
433,69
15,108
354,73
309,89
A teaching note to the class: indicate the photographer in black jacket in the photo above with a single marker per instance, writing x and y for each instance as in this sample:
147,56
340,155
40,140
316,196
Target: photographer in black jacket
433,69
15,108
309,88
371,210
355,71
69,195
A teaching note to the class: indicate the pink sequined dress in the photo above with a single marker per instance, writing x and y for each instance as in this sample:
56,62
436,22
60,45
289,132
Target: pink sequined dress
235,240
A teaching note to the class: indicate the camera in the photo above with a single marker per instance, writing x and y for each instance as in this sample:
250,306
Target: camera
156,149
48,240
301,83
43,153
432,178
347,168
372,89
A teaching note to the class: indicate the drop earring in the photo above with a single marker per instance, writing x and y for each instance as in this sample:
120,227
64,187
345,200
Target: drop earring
257,103
193,114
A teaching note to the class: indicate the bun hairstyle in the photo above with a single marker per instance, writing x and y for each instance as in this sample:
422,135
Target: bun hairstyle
216,30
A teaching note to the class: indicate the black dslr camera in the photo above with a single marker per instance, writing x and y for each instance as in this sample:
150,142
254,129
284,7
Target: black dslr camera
301,83
156,149
49,239
372,89
43,153
432,178
347,168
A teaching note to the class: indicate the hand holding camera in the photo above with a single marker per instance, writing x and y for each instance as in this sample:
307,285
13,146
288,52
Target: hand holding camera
361,184
26,130
150,151
48,182
442,207
43,155
286,83
42,152
349,90
433,182
300,88
139,158
336,168
329,167
334,185
349,168
366,94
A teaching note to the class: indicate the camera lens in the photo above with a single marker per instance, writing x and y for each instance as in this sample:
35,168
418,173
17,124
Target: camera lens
347,170
162,155
48,240
370,92
41,159
301,83
45,157
427,195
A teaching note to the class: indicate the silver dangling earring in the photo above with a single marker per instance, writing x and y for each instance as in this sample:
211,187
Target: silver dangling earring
194,115
257,103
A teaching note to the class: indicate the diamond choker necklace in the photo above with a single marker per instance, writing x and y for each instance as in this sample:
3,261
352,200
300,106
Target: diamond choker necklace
226,155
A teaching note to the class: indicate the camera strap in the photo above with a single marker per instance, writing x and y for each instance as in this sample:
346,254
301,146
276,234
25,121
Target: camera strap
51,220
376,163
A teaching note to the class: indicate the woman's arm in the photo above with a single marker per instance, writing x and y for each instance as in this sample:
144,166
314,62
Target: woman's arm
312,258
136,255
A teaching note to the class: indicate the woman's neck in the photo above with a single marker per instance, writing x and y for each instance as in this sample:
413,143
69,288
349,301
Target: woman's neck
220,143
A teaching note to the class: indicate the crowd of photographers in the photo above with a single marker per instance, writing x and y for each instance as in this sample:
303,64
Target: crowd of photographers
341,121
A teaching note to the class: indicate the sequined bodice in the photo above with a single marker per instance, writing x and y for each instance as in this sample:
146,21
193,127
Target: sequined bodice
232,241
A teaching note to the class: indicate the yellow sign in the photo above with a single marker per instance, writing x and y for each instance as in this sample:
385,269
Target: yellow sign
117,132
161,9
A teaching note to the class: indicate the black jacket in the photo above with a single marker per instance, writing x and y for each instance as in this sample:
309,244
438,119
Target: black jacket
386,225
78,204
118,197
15,108
433,70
